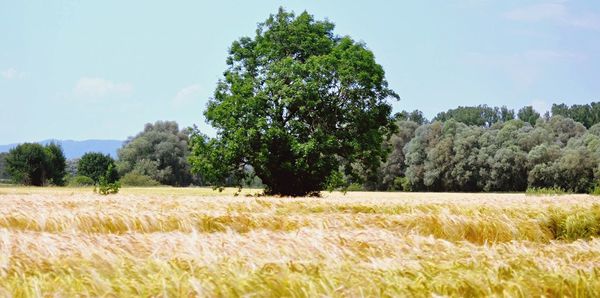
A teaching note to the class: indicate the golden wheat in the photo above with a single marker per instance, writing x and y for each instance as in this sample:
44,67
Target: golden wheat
195,242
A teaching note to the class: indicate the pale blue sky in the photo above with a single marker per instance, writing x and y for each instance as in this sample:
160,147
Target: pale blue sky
100,70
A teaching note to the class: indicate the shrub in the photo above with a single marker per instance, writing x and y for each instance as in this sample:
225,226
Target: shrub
401,183
80,180
596,190
135,179
540,191
106,188
355,187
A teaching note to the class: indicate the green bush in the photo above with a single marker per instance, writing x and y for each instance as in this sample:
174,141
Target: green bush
106,188
355,187
401,183
540,191
80,180
135,179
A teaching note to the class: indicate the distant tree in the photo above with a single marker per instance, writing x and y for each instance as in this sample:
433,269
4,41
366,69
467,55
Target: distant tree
72,166
297,103
586,114
57,164
505,114
528,114
562,129
508,170
395,166
415,116
34,164
595,130
464,174
160,152
481,115
95,165
3,173
507,156
417,154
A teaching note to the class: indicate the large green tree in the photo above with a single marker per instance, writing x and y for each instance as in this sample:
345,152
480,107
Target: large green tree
34,164
297,104
160,151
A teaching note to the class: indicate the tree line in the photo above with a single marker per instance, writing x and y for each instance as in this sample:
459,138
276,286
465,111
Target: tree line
489,149
157,155
463,149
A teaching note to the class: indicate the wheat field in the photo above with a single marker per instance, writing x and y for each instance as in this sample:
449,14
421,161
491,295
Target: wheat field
167,242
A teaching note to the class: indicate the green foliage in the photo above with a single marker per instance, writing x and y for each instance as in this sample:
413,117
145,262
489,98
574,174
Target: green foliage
135,179
528,114
105,187
587,114
34,164
578,225
402,184
95,165
57,164
160,151
481,115
545,191
508,156
3,174
596,190
355,187
297,103
80,180
395,165
414,116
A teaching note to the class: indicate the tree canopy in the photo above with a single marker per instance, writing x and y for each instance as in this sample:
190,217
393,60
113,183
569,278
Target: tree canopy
481,115
586,114
160,151
95,165
528,114
34,164
415,116
3,173
508,156
297,104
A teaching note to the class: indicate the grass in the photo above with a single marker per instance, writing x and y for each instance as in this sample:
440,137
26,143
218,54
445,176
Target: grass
197,242
544,191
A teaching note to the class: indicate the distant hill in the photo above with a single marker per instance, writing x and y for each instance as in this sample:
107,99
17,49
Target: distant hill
75,149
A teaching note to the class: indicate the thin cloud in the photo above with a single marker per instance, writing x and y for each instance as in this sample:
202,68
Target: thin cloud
541,106
87,87
527,67
556,12
11,73
188,95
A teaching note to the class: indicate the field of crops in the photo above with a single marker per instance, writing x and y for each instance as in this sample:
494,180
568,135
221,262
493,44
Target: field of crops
195,242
